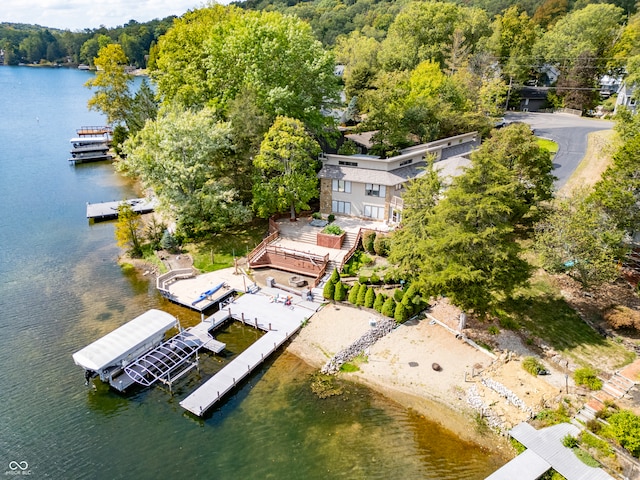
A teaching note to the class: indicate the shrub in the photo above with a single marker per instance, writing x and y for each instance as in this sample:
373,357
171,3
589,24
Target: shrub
333,230
398,294
368,239
329,290
508,323
362,293
389,307
411,299
316,215
169,242
389,278
570,441
587,377
374,279
594,425
335,276
552,417
363,279
622,317
401,314
369,298
379,302
340,292
624,427
493,330
353,293
381,245
331,217
532,365
591,441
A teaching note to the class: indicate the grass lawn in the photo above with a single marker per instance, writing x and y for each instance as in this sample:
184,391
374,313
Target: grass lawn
217,251
541,310
548,144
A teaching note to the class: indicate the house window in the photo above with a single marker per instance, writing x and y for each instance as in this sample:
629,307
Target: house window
342,186
371,211
347,164
396,215
341,207
373,190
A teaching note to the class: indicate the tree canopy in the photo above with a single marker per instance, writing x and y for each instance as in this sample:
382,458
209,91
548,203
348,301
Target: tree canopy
286,169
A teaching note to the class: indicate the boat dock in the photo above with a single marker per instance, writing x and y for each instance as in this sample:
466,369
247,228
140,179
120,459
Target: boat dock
266,312
109,210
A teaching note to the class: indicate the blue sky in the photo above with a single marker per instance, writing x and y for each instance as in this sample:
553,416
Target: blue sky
80,14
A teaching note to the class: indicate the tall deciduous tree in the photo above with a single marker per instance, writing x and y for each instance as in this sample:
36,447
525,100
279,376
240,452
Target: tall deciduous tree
286,169
128,230
182,157
112,96
580,239
213,54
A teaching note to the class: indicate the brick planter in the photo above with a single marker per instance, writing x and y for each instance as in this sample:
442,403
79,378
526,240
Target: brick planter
329,241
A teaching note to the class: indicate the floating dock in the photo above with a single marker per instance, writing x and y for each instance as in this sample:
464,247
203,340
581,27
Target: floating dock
109,210
265,312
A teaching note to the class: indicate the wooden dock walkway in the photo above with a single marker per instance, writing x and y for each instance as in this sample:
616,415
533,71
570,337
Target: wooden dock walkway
109,210
261,311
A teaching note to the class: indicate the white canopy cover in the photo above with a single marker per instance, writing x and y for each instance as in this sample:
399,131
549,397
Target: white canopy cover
127,342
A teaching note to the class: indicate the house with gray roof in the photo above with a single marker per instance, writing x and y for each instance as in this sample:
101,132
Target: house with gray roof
370,187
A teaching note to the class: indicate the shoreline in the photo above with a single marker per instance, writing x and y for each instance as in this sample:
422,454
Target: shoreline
398,366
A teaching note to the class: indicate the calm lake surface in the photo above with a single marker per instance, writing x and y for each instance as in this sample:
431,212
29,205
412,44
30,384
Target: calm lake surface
61,289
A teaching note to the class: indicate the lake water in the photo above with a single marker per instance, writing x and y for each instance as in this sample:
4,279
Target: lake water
61,288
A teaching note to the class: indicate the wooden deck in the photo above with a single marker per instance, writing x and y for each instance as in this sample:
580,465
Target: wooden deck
261,311
109,210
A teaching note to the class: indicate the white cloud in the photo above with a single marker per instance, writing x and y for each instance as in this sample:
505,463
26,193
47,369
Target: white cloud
80,14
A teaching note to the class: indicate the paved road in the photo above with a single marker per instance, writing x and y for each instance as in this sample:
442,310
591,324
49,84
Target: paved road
569,131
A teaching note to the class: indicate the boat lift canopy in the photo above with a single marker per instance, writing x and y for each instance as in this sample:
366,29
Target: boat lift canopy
126,343
164,360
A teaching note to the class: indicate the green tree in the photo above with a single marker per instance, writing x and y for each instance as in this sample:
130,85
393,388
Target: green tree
379,302
362,295
329,290
213,54
580,239
181,156
401,313
340,292
112,96
353,293
128,230
389,307
143,107
286,167
618,191
370,297
624,426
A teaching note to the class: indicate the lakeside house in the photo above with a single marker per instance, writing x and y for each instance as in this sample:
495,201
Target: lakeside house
626,98
369,187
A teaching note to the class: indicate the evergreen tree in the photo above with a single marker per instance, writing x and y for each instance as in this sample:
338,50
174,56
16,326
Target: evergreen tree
328,291
362,295
389,307
353,293
401,313
379,302
340,292
369,298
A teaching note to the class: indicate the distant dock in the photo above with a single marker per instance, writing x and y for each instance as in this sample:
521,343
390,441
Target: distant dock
109,210
280,322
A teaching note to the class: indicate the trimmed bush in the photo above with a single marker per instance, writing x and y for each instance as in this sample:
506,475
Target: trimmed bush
398,295
331,217
389,307
412,300
368,239
335,276
587,377
379,302
328,291
353,293
401,314
363,279
340,292
369,298
374,279
362,294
